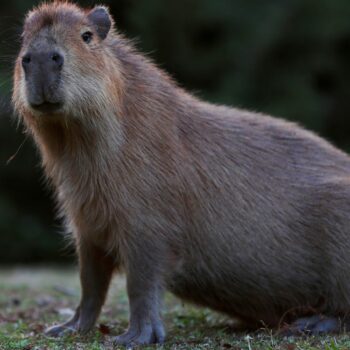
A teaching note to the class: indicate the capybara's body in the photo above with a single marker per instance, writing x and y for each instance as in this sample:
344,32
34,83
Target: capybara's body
244,213
266,224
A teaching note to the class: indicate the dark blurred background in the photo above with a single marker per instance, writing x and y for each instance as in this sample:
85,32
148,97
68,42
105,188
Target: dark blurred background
289,58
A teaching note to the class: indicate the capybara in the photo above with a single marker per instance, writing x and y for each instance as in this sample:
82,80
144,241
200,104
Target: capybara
237,211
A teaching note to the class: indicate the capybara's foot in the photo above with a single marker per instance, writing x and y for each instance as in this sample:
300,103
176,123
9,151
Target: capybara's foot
61,330
76,325
147,334
313,325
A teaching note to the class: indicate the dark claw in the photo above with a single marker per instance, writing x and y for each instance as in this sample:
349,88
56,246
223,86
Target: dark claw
59,331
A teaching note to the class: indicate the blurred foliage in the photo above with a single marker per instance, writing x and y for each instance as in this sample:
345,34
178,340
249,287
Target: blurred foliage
289,58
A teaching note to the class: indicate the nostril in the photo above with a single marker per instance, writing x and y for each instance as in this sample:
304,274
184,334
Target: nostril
57,58
26,59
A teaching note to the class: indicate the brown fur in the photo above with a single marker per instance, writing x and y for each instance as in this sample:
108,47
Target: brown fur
237,211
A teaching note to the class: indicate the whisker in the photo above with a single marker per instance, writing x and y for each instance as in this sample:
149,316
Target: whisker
19,148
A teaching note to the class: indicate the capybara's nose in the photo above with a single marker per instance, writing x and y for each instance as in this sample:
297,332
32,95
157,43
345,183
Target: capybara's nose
48,60
43,76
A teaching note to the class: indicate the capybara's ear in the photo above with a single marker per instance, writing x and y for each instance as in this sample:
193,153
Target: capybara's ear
101,19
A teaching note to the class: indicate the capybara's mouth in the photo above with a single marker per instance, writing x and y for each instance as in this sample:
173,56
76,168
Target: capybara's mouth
47,107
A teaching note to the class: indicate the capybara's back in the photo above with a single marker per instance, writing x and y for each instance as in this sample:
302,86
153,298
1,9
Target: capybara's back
241,212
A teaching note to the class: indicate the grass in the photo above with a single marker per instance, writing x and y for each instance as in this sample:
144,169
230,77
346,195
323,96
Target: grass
32,299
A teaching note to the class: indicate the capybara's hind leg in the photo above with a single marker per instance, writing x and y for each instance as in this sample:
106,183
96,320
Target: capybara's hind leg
95,274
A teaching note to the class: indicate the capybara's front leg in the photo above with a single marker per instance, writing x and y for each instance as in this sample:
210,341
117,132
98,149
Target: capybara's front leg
96,270
145,294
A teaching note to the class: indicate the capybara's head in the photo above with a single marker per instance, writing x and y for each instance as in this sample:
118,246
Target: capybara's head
65,63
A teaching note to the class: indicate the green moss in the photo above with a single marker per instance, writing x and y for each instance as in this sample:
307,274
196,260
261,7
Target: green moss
30,300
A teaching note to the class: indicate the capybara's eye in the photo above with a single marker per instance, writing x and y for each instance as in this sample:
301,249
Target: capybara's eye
87,37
